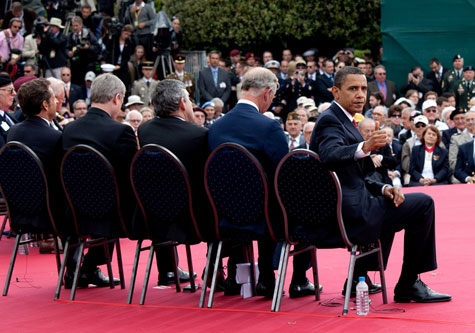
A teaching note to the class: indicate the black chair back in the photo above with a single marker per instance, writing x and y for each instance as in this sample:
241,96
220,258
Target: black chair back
310,198
24,186
237,188
91,189
162,188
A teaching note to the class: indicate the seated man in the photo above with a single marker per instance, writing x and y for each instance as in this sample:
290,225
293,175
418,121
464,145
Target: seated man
465,166
373,210
457,140
118,144
246,125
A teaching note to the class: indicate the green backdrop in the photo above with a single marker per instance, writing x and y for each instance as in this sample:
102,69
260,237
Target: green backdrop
415,31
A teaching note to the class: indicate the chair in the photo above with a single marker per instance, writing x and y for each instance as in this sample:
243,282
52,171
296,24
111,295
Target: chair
92,192
24,186
237,188
4,213
162,188
310,197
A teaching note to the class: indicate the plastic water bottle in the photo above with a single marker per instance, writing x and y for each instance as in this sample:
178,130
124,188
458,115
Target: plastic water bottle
362,297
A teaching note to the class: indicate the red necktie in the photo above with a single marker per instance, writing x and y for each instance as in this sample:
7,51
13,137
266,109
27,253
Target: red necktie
354,123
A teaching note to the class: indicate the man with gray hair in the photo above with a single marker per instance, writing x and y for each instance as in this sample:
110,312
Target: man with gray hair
118,144
246,125
174,129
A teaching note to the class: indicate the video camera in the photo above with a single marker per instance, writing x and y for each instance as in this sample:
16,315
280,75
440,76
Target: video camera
39,27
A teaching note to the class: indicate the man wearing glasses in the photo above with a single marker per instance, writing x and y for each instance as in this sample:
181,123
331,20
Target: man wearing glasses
386,87
429,109
7,94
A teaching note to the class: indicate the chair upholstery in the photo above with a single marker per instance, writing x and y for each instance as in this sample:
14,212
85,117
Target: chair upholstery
162,188
25,188
237,188
92,192
310,197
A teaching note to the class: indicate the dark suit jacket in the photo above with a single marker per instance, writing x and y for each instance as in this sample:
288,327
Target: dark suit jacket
335,139
465,165
262,136
391,91
447,135
301,139
189,143
440,164
397,151
436,83
424,86
323,83
29,16
3,132
208,90
46,142
53,50
75,93
115,140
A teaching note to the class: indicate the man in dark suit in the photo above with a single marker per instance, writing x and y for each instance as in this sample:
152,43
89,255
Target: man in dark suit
53,49
437,72
386,87
7,94
458,117
417,81
465,166
307,134
28,16
117,142
72,92
246,125
174,129
324,82
373,210
214,81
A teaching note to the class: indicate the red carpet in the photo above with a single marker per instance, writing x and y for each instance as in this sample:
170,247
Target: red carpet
29,305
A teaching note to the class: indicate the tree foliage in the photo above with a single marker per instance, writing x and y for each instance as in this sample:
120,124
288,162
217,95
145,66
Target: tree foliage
260,24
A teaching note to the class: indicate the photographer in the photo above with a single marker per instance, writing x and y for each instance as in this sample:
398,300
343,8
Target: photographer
52,48
119,48
142,17
92,22
295,86
83,50
11,44
417,81
31,42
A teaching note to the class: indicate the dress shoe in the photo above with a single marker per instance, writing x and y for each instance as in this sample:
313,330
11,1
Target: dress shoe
68,281
419,292
231,287
301,290
265,289
373,288
47,246
169,278
220,279
96,278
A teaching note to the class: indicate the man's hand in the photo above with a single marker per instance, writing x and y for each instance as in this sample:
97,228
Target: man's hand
471,180
141,25
376,141
395,194
376,160
392,174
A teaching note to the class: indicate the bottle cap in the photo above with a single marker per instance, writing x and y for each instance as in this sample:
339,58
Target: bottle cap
361,278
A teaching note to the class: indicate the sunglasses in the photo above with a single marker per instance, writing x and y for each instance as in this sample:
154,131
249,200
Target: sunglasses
396,116
431,110
420,125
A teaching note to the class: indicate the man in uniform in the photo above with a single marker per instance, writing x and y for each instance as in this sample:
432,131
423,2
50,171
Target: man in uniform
465,89
180,74
7,93
144,86
454,75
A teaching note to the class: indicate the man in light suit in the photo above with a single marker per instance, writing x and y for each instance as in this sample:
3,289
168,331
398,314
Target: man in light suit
146,85
293,125
386,87
246,125
372,210
214,81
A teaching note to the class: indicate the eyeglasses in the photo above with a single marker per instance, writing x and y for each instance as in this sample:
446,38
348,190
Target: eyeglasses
64,74
25,71
396,116
431,110
380,73
10,90
420,125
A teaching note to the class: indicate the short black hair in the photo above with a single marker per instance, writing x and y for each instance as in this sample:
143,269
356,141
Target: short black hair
340,76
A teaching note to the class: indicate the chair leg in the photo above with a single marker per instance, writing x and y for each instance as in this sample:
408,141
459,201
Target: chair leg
252,268
109,265
119,263
134,271
175,270
215,273
316,282
3,226
279,277
61,270
12,263
147,274
381,273
282,278
56,247
77,270
349,281
205,278
190,268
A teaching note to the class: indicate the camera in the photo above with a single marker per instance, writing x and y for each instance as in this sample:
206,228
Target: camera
114,26
39,28
415,76
300,72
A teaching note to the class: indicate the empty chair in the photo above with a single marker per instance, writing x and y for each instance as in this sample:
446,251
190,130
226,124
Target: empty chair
24,186
310,198
162,188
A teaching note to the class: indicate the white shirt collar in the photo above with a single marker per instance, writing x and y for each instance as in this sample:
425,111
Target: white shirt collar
248,102
350,117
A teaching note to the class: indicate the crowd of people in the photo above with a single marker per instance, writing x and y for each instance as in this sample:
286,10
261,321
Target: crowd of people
268,106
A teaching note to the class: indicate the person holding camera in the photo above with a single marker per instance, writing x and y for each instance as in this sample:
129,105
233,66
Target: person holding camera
142,17
11,44
83,50
417,81
52,47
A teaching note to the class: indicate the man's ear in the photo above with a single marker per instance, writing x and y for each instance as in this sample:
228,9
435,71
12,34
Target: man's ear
182,105
336,93
44,105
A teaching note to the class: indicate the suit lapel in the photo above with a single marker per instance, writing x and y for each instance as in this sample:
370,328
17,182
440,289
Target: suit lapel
350,127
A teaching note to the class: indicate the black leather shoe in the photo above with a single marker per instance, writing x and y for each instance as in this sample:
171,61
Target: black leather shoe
231,287
419,292
265,289
220,279
301,290
373,288
96,278
170,277
69,278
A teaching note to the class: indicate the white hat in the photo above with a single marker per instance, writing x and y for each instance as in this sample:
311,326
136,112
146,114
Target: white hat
133,99
56,22
421,119
405,100
429,103
90,76
107,68
308,103
272,64
301,100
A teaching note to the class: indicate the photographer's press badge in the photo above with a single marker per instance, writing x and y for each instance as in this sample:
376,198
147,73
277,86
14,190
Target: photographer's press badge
52,54
5,126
